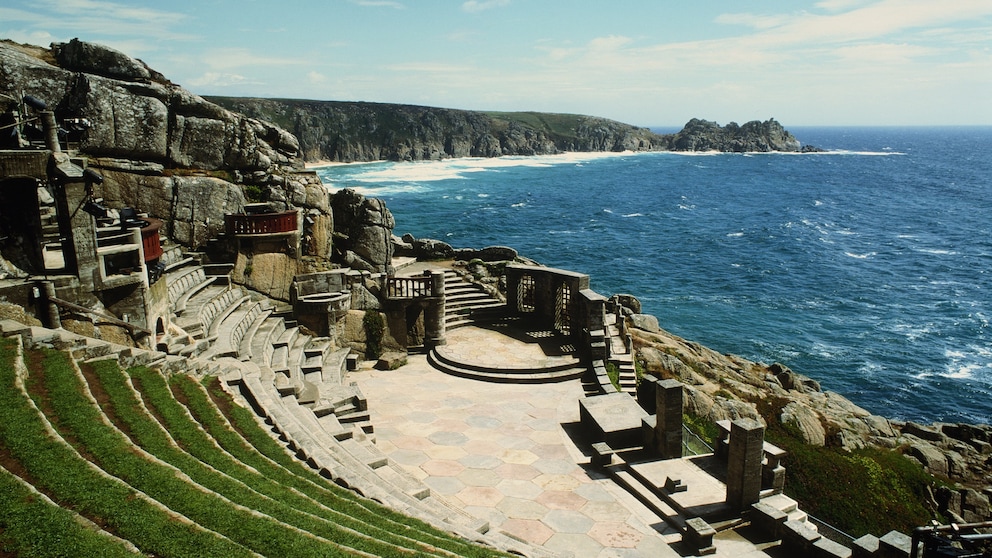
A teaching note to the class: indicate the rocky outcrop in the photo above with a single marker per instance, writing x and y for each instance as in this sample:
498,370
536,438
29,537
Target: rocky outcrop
134,113
164,150
703,135
363,228
348,132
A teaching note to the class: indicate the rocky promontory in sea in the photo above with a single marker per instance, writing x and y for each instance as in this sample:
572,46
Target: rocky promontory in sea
353,132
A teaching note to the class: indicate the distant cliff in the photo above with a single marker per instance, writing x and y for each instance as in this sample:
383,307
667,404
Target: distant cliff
353,131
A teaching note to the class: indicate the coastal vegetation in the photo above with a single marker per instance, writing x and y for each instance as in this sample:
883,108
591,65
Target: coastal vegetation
860,492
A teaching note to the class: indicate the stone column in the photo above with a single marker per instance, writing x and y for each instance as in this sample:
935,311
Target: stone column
747,438
668,428
434,313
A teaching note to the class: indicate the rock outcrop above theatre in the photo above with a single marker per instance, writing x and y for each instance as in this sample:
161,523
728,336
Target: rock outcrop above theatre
162,149
133,112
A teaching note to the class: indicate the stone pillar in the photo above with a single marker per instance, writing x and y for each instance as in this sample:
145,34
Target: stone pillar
434,313
747,438
668,428
51,312
647,393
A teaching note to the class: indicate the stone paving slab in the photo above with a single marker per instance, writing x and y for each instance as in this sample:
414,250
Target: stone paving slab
499,452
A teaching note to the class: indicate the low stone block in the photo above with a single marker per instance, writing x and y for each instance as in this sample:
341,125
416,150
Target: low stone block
674,485
391,361
798,538
769,519
602,454
826,548
895,545
865,547
699,536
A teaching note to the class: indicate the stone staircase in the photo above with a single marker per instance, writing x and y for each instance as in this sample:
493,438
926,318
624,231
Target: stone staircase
293,382
621,356
466,303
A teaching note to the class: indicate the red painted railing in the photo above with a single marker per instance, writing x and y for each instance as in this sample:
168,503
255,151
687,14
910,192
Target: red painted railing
261,223
150,240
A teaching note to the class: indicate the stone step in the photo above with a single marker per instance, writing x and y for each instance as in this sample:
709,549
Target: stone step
519,376
245,347
781,502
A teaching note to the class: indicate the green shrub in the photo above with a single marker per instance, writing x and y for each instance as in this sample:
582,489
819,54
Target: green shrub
375,327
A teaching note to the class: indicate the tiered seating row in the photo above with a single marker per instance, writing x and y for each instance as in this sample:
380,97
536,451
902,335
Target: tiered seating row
44,459
147,457
189,282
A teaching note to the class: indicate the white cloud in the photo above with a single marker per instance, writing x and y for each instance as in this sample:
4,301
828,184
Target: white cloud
217,80
839,5
229,58
473,6
430,68
752,20
316,78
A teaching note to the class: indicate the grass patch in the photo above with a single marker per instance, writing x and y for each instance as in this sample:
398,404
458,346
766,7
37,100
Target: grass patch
69,480
613,373
368,537
703,427
33,526
79,417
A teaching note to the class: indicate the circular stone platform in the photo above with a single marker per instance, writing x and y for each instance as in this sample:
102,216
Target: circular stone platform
503,347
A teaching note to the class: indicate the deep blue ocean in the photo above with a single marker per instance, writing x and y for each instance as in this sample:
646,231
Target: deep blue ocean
868,268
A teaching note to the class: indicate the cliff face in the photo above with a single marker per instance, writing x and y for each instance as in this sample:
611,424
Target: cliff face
351,132
348,132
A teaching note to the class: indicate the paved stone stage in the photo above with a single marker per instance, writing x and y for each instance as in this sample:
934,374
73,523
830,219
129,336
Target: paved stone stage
502,453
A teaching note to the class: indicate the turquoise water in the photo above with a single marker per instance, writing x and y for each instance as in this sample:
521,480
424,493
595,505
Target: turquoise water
867,268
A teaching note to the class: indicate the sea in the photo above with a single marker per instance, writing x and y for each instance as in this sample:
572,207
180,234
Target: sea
867,267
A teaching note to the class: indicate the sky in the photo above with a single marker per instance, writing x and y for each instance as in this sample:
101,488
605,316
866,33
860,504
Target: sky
643,62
